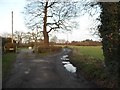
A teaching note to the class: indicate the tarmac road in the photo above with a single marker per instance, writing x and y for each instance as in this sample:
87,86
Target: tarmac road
47,72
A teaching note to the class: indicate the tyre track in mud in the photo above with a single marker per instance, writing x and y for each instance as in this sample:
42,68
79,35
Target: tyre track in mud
46,72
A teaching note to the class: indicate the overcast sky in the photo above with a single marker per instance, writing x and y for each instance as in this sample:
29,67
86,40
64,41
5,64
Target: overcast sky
17,6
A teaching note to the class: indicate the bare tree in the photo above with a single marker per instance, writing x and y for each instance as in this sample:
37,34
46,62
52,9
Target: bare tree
6,35
29,36
18,36
54,39
51,16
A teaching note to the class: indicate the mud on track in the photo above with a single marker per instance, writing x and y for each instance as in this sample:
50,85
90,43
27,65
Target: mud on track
48,72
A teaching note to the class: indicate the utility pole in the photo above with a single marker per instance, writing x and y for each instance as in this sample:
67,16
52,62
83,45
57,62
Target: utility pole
12,26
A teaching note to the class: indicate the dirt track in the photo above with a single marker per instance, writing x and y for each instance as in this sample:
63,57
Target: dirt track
47,72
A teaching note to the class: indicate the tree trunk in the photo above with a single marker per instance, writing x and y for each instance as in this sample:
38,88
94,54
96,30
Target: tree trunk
46,38
110,37
45,33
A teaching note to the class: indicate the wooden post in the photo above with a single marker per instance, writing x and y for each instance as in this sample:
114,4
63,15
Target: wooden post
12,26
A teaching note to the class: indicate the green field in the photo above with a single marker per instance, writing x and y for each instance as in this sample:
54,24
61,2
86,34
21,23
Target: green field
92,51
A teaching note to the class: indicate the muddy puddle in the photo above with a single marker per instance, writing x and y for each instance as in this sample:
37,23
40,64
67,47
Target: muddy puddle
68,66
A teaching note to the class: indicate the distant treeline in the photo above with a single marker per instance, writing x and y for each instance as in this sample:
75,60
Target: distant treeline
82,43
86,42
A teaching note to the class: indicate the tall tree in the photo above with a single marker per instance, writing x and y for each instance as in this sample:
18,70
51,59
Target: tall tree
110,33
51,16
18,36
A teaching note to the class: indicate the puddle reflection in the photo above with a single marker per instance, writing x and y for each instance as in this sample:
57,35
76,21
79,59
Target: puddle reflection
27,71
70,67
67,64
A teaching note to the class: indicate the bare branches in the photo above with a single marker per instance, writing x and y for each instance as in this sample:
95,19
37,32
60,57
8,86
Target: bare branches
52,3
59,14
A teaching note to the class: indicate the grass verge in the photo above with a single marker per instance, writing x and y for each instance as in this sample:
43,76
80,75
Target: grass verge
7,63
92,69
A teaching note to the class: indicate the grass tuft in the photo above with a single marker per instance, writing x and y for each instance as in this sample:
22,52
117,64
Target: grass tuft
7,63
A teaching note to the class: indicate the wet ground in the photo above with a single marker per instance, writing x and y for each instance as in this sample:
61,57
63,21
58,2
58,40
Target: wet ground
53,71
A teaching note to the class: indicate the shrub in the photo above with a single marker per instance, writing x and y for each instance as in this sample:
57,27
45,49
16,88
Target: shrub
55,48
43,49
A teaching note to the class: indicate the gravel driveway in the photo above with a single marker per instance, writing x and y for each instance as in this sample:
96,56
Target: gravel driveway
47,72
